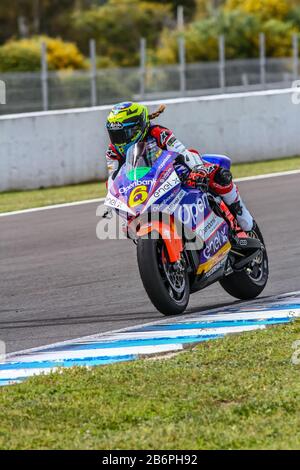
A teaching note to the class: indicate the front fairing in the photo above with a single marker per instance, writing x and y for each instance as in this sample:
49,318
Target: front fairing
159,185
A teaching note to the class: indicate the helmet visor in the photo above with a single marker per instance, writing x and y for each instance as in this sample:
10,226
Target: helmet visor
123,136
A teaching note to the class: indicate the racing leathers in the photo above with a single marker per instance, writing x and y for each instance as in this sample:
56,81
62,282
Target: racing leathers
193,167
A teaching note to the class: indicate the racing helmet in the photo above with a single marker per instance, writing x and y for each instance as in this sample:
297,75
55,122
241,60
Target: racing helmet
127,124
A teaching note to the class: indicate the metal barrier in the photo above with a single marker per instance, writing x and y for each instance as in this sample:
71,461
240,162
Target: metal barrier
27,92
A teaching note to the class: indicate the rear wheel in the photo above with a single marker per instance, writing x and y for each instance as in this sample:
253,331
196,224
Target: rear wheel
167,284
251,281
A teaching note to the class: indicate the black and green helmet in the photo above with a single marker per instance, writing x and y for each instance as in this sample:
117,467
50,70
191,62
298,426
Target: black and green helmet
127,124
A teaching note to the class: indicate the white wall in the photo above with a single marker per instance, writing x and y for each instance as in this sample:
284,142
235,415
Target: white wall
62,147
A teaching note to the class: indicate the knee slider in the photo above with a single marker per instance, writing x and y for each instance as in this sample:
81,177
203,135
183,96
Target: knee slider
223,177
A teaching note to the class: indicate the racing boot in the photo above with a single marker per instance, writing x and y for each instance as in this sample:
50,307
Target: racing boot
238,209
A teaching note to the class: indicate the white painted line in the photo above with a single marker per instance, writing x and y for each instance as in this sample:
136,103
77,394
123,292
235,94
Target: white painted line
54,206
244,315
97,353
100,200
53,358
156,334
290,294
18,373
203,316
268,175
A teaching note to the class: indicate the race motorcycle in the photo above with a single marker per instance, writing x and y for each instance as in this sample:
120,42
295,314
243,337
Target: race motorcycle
186,239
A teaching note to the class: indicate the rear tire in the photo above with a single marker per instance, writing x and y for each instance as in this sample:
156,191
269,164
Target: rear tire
243,285
168,290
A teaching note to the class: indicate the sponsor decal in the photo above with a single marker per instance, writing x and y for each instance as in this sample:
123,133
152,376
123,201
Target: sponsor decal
210,169
125,189
120,107
211,224
214,259
171,208
176,146
172,141
164,137
166,186
171,182
163,163
115,126
112,201
193,214
216,267
216,243
165,174
138,196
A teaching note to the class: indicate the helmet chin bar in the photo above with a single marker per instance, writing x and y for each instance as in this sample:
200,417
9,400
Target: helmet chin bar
123,148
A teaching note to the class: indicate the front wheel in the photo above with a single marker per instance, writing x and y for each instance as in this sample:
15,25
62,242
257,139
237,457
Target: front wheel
251,281
167,284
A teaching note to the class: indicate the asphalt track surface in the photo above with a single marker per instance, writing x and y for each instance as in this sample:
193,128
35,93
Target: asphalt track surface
58,281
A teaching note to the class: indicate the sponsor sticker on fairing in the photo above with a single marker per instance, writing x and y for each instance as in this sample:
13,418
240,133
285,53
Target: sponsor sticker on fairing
216,267
211,224
216,243
171,208
171,182
112,201
125,189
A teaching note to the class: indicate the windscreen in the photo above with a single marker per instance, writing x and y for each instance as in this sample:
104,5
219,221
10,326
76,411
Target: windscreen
140,159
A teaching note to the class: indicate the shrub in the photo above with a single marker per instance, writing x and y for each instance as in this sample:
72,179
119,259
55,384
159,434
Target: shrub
25,55
266,9
240,29
64,55
294,17
278,38
20,56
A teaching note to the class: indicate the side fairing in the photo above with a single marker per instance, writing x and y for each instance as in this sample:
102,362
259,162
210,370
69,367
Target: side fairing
160,190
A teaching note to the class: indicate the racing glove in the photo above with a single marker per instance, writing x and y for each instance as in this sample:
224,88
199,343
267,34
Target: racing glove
198,178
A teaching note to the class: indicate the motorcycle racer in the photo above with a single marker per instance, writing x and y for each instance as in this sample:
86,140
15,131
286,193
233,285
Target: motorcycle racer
129,123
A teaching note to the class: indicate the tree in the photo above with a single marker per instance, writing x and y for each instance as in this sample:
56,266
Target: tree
265,9
35,16
25,55
201,38
188,5
241,31
118,26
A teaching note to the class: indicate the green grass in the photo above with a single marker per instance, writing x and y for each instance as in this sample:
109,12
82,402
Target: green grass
241,392
18,200
260,168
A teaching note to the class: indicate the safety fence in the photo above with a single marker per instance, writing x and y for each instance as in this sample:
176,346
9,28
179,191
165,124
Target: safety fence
25,92
48,90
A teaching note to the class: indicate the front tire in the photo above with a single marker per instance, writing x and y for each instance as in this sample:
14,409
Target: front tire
166,284
251,281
